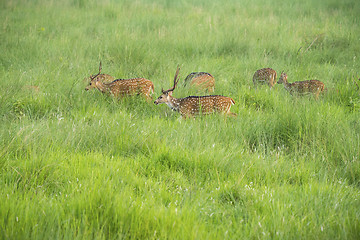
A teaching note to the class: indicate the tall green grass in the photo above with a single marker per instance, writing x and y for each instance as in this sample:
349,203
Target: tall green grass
80,165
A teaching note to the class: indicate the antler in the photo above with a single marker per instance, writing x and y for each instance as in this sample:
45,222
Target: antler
175,80
94,76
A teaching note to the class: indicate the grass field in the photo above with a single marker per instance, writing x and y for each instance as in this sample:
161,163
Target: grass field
82,165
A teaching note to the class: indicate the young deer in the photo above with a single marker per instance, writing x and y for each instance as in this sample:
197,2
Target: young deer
123,87
265,76
201,80
104,78
195,105
304,87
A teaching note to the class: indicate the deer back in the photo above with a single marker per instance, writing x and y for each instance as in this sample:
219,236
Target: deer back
134,86
265,76
201,80
194,105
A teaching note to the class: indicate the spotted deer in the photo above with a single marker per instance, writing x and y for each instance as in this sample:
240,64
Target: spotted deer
265,76
201,81
314,87
195,105
123,87
105,78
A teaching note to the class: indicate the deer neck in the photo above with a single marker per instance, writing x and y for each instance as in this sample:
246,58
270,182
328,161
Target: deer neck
173,103
101,86
287,85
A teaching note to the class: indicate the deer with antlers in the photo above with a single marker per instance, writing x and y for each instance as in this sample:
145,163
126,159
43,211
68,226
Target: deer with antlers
195,105
122,87
314,87
200,80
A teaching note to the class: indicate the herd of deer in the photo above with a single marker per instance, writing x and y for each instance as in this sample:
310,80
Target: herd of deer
195,105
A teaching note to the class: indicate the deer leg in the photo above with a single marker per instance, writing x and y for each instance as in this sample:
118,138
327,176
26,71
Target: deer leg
317,94
148,97
255,86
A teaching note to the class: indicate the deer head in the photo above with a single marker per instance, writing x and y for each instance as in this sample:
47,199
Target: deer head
283,78
94,79
166,95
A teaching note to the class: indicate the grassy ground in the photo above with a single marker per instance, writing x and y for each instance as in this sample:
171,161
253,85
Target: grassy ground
80,165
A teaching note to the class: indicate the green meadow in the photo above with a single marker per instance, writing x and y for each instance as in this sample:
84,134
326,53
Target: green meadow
78,164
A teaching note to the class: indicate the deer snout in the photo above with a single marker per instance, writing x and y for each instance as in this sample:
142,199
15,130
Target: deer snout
156,102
